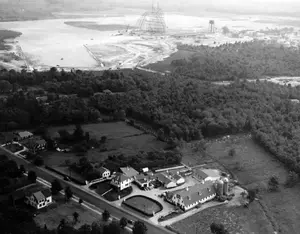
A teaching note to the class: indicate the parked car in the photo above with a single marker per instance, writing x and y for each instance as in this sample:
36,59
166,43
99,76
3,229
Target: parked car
67,178
130,222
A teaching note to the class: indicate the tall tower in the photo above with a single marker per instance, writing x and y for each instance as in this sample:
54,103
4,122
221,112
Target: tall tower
211,26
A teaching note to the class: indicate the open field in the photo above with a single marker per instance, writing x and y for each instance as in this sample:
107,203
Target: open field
253,167
235,219
110,130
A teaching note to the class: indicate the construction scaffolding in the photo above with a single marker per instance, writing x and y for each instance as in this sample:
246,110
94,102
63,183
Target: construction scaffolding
152,22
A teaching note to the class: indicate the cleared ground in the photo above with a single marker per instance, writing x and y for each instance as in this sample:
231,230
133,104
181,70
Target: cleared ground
235,219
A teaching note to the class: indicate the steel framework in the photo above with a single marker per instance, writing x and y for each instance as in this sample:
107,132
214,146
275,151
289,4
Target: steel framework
152,21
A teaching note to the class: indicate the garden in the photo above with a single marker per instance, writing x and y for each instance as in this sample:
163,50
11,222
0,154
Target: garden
144,205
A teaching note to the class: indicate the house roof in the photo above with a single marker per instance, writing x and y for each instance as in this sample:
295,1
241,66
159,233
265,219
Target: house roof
119,178
129,171
101,170
38,195
195,193
40,142
47,192
163,178
201,174
177,177
144,178
24,134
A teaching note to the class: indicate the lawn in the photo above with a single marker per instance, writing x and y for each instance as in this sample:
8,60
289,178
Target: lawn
59,210
52,215
143,204
14,147
235,219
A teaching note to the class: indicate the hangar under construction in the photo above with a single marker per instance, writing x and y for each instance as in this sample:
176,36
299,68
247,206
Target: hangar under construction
152,22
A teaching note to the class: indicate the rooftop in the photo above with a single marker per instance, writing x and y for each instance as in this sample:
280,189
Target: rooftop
129,171
163,178
119,178
195,193
201,174
101,170
24,134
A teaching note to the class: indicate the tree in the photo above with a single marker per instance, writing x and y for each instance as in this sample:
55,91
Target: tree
62,223
112,228
22,169
251,195
75,217
292,179
232,152
32,176
105,215
218,228
139,228
78,132
68,193
273,183
123,222
80,201
85,229
225,30
38,161
55,187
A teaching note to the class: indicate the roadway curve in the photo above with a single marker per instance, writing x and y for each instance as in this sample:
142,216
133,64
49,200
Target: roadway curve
88,197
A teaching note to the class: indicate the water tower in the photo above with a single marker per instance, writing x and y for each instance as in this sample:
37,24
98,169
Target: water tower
211,26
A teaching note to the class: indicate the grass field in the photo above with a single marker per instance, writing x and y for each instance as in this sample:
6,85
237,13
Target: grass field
253,166
235,219
121,138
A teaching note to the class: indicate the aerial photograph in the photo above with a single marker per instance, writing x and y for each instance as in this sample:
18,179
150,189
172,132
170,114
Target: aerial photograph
149,117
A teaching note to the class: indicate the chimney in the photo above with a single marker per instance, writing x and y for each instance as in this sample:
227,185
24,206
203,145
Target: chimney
187,188
189,198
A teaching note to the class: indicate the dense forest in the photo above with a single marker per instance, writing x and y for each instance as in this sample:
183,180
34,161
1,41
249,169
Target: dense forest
242,60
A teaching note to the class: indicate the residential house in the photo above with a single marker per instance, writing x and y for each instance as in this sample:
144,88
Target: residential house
129,172
40,144
192,196
24,135
143,181
104,172
167,181
121,181
34,195
38,199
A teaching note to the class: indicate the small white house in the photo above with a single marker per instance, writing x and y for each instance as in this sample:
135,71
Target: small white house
104,172
121,181
39,199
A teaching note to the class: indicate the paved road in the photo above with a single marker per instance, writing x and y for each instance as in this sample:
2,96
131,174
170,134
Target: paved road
89,197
